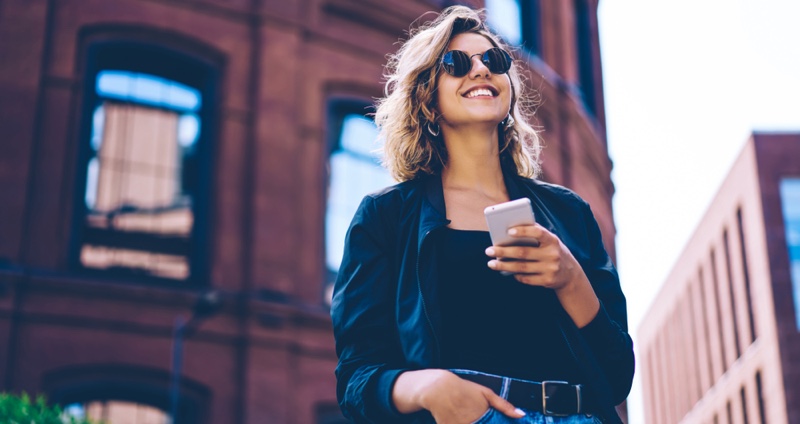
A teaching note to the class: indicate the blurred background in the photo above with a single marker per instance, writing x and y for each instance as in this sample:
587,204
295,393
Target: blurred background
176,177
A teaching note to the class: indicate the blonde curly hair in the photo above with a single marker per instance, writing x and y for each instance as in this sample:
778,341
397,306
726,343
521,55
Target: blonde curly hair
409,102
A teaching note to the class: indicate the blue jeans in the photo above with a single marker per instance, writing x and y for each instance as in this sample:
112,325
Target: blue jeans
493,416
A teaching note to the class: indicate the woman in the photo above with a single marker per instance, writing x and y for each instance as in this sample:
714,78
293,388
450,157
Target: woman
427,328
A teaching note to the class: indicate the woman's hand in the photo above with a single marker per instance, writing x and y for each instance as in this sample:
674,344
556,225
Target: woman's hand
449,398
549,265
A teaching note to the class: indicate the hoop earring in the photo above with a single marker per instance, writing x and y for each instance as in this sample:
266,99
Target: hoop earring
433,132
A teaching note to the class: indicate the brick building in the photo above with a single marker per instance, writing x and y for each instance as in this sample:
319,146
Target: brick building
153,150
721,341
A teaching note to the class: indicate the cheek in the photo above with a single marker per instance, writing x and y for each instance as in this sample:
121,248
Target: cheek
442,98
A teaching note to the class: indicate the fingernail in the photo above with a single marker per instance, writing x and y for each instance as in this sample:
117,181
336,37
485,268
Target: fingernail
512,231
520,412
490,251
492,264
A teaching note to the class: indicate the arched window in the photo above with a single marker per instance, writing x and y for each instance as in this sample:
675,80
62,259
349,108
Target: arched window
144,162
121,393
355,171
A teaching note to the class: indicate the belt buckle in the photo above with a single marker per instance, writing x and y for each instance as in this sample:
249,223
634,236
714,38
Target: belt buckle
548,412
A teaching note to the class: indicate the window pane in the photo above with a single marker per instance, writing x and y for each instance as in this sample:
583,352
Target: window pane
188,130
790,197
504,18
355,172
139,215
147,89
138,158
117,412
359,135
114,84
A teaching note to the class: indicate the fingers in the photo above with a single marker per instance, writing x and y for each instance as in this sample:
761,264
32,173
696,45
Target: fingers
549,264
550,252
534,240
528,267
503,406
531,231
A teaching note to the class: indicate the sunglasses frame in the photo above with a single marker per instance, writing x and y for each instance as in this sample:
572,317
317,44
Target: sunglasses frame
463,58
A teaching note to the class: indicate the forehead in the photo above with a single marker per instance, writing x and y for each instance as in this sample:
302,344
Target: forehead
470,42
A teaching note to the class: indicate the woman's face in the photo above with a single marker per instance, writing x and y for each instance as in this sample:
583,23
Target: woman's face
479,96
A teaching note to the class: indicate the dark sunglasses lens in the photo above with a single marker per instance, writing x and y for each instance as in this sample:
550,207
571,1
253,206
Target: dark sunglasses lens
456,63
497,60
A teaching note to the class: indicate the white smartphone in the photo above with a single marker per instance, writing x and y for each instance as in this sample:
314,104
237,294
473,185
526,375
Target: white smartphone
505,215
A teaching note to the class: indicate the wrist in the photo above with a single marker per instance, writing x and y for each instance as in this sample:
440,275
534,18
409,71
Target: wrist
427,382
571,284
579,300
414,390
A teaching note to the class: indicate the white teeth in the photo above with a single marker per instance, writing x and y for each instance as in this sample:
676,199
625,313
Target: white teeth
479,92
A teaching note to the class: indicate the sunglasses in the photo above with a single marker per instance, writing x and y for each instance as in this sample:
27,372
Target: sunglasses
458,63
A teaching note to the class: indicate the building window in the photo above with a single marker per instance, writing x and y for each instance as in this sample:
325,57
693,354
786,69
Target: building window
517,21
743,396
124,393
760,397
790,200
117,412
141,164
731,293
746,275
586,64
718,307
355,171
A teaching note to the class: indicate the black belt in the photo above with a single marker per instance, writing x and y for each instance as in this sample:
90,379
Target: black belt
556,398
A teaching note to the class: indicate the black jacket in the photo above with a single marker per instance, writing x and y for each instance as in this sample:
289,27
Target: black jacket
383,310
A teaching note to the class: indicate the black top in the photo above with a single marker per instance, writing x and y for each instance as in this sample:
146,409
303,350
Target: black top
385,307
492,323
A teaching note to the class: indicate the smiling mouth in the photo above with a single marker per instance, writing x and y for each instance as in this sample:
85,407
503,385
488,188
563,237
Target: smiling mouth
485,92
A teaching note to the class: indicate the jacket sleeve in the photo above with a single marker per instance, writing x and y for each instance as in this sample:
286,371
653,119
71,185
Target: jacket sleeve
362,310
607,334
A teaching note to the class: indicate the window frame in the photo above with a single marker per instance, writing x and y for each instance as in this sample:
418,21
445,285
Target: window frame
530,12
584,49
143,385
102,52
337,108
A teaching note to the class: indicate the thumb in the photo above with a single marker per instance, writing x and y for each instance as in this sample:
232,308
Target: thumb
503,406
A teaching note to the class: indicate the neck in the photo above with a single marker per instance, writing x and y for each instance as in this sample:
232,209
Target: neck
473,161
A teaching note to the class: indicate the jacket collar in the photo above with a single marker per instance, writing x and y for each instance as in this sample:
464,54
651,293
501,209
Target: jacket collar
513,185
434,211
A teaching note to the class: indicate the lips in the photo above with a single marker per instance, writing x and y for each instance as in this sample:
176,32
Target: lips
480,91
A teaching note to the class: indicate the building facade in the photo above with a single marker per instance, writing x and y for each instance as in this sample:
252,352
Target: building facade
154,151
720,343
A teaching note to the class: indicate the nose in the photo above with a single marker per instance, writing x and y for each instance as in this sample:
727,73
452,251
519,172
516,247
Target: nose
478,67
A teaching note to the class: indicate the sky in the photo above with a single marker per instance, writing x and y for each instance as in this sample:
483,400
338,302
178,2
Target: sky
686,82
